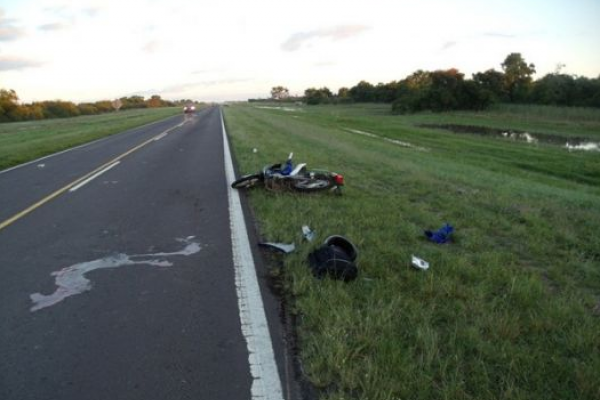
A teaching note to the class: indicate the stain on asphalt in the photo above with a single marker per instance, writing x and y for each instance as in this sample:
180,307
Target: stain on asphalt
71,280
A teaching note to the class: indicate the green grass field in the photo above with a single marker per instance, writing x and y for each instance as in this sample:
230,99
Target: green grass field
24,141
509,310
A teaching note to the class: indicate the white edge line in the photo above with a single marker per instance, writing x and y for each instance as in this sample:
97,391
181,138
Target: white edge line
266,384
78,147
91,178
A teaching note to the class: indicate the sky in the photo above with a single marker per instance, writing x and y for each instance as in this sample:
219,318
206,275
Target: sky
88,50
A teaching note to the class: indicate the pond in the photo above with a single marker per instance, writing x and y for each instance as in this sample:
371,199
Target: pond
570,143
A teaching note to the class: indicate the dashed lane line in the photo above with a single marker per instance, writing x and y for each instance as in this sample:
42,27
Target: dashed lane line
82,179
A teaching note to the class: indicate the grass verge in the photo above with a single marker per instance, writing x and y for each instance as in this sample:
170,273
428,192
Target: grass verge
509,310
24,141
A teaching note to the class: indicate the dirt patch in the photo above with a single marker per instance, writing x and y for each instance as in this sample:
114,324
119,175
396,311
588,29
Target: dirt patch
289,320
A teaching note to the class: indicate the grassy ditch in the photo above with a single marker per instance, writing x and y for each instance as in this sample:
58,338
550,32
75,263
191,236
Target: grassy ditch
509,310
24,141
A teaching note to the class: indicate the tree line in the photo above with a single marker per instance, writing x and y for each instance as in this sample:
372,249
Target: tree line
12,110
445,90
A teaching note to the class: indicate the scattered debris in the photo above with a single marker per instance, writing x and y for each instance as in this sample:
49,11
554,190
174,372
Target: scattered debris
440,236
419,263
308,233
41,165
335,258
282,247
255,150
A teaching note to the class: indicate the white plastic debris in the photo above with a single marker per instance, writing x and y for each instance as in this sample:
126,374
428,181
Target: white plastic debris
419,263
283,247
254,150
308,233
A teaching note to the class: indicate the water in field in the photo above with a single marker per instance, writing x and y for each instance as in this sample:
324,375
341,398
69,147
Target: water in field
570,143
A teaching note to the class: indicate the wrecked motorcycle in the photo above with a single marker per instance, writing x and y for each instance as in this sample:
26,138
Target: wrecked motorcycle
286,176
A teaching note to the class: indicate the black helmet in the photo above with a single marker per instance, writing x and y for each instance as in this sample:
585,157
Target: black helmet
335,258
344,244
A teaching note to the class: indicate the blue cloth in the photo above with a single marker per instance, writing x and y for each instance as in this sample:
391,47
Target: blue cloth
440,236
288,168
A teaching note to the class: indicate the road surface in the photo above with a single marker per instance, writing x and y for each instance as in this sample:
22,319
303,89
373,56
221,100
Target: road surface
119,278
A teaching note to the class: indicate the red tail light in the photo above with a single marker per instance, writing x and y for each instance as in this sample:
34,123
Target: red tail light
339,179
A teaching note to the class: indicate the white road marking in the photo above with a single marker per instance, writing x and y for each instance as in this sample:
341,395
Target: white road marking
162,135
266,384
91,178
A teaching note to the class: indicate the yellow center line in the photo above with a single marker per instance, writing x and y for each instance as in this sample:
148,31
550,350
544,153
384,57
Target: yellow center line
60,191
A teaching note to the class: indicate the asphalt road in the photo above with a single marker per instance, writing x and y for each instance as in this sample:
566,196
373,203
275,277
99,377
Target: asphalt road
123,286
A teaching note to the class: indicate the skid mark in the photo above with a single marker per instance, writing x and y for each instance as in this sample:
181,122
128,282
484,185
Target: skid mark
71,280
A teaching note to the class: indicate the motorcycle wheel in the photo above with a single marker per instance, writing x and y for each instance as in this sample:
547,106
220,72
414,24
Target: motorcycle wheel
247,181
312,184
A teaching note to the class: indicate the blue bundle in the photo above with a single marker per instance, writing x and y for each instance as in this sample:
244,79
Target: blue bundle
440,236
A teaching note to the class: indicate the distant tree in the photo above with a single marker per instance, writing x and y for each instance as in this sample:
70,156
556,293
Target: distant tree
314,96
418,80
555,89
88,109
154,101
280,93
133,102
588,92
385,92
493,82
441,90
59,109
343,92
517,77
8,104
363,92
103,106
408,99
27,112
475,97
443,93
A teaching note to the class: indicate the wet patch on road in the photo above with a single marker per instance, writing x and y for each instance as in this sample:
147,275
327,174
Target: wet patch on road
71,280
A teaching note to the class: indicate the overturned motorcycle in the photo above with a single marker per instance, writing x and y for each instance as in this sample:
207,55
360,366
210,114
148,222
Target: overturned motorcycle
286,176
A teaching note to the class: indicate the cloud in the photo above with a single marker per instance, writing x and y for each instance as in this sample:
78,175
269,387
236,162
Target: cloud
183,89
92,11
8,63
55,26
297,40
151,47
8,29
208,71
449,45
204,84
71,13
499,35
325,64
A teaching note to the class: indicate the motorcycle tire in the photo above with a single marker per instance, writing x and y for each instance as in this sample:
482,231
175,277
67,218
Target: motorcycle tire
247,181
312,184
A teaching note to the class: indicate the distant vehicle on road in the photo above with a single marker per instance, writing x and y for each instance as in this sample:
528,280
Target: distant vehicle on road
190,108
